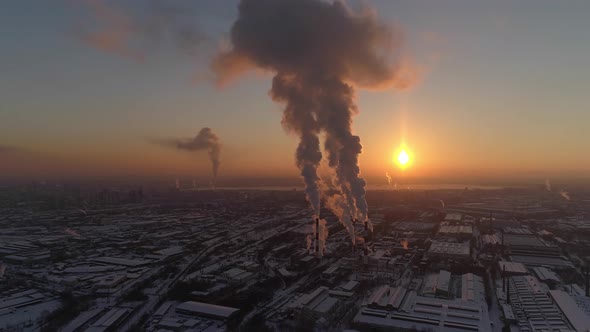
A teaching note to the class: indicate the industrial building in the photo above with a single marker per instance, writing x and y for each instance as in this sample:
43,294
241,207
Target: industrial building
529,245
554,263
400,309
192,308
575,315
454,250
464,232
317,304
532,308
512,268
437,285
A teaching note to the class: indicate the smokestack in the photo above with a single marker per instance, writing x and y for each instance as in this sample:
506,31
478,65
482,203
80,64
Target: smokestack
319,52
205,140
317,236
508,290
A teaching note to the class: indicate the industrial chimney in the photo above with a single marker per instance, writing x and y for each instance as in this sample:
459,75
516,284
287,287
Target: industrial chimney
317,236
508,290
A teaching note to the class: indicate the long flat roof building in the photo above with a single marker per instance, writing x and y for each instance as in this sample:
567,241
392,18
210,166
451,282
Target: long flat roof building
397,309
208,310
534,310
449,249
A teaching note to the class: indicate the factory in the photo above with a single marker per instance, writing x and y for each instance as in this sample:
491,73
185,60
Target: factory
401,309
453,250
200,309
437,285
530,306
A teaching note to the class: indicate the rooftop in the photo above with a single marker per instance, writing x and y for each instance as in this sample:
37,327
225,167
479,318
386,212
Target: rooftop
207,309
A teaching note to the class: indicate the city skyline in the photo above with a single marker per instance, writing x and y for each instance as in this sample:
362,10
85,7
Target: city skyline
294,166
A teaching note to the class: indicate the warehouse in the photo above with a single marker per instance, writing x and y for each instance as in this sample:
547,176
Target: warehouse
192,308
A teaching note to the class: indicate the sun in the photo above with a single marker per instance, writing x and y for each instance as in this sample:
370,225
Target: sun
403,159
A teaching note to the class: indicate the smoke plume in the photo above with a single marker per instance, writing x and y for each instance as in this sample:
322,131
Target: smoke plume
134,33
205,140
318,52
337,204
388,178
565,194
323,236
547,185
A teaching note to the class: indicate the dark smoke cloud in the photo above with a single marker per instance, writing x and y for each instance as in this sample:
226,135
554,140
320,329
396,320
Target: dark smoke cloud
318,52
206,140
134,33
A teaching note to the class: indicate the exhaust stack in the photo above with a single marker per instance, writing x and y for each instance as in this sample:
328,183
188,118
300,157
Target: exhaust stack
508,290
317,236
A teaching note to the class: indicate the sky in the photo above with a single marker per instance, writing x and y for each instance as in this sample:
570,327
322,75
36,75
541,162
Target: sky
501,93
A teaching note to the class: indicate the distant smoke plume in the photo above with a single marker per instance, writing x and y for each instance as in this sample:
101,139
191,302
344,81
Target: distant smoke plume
565,194
319,52
442,203
205,140
134,33
547,185
388,178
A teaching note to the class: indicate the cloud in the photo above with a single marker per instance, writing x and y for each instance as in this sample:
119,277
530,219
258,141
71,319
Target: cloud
135,32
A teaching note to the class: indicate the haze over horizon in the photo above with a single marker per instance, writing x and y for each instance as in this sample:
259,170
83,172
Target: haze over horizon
499,95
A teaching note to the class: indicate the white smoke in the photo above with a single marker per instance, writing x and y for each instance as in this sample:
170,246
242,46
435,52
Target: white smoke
323,236
388,178
337,204
319,52
565,194
547,185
